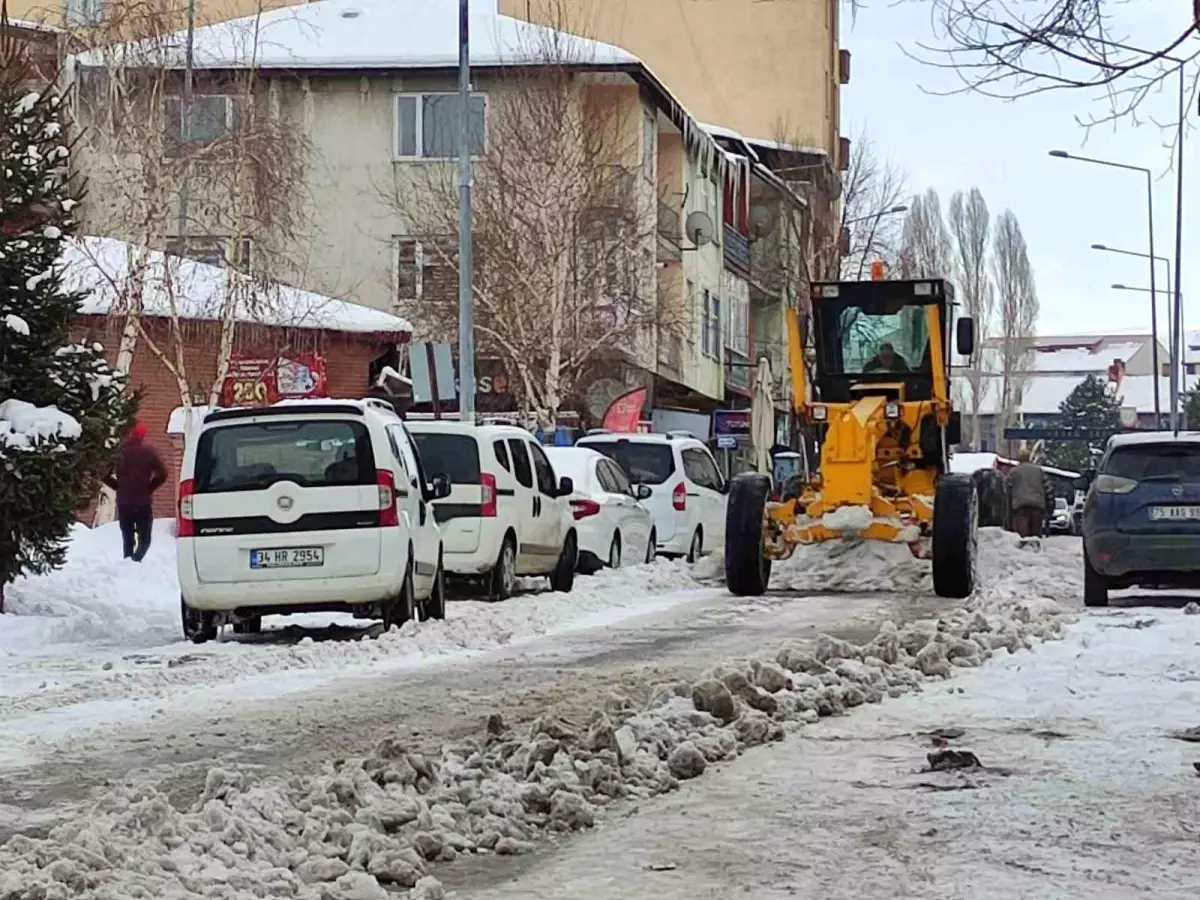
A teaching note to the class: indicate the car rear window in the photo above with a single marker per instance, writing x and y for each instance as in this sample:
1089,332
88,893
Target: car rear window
643,462
1159,461
312,453
454,455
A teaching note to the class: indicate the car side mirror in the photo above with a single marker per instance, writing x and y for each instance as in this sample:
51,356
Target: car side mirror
566,487
965,336
439,486
643,492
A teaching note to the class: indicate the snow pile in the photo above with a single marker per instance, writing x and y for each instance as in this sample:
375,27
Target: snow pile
855,566
15,323
23,425
383,819
848,518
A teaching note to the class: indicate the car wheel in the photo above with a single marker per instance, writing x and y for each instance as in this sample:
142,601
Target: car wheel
503,580
563,577
252,625
198,626
403,606
435,606
1095,586
696,547
614,552
651,547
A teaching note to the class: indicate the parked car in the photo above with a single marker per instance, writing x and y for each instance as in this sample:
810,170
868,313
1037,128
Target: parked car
1060,517
314,506
507,513
1141,518
687,491
614,527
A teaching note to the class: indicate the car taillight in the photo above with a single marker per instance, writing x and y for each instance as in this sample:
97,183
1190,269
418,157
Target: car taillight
581,509
1114,484
487,501
679,497
389,513
185,525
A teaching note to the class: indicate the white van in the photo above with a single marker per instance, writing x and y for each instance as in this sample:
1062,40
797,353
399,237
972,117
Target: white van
507,513
306,506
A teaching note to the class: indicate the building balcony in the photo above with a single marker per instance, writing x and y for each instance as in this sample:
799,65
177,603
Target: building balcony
736,251
670,242
739,371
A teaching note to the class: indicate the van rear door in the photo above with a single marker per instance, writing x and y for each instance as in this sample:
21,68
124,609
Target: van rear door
277,499
457,457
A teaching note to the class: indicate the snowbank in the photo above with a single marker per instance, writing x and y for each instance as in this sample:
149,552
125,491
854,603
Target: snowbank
23,425
384,818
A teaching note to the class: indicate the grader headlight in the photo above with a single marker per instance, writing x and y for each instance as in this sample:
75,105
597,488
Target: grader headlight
820,413
892,409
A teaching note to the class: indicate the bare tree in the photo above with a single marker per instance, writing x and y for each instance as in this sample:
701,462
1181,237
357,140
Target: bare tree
970,230
871,187
1009,50
1018,309
924,241
564,225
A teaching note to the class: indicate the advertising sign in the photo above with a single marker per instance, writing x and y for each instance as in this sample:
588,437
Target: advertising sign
260,379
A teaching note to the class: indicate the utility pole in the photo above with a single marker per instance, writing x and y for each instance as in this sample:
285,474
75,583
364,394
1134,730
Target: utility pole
466,312
185,113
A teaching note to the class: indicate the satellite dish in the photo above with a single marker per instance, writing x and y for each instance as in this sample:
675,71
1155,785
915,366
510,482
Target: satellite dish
699,227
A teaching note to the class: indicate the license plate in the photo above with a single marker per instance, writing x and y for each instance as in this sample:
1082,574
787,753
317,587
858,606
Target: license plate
287,558
1159,513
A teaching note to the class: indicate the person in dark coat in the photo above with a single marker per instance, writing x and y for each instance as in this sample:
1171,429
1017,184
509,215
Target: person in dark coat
139,473
1027,488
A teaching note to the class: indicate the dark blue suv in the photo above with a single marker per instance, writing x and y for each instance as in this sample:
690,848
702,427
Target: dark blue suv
1141,519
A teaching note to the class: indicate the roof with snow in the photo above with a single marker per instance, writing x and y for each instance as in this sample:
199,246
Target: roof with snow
368,34
720,131
105,268
1044,394
1093,358
1154,437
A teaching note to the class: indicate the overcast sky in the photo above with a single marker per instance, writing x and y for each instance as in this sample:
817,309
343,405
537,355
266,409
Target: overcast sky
1064,207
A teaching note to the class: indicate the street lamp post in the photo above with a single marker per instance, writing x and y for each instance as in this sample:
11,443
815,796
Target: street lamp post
1176,364
466,310
874,227
1063,154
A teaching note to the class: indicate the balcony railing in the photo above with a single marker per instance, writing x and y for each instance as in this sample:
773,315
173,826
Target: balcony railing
669,233
739,373
736,250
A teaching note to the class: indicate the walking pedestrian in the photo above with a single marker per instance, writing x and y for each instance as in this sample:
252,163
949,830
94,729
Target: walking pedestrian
139,473
1028,497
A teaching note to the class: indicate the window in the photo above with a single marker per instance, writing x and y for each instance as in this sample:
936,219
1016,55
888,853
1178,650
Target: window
520,459
427,125
83,12
501,452
311,453
619,478
547,483
649,131
710,336
426,269
396,455
210,118
879,343
604,476
454,455
701,470
643,462
1162,462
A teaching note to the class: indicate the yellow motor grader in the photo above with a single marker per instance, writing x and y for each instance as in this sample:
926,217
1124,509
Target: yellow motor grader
880,402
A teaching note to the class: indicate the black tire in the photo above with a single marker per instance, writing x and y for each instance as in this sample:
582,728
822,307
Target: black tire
434,607
696,547
747,568
403,606
563,576
955,536
253,625
198,626
651,546
990,489
1095,586
502,582
614,552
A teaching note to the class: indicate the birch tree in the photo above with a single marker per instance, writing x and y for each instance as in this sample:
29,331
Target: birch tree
970,230
564,225
871,187
1017,303
924,241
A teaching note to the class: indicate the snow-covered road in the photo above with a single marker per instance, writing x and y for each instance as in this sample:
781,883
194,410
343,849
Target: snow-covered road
1085,793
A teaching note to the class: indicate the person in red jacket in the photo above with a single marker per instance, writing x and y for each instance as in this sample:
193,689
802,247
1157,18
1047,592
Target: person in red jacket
140,472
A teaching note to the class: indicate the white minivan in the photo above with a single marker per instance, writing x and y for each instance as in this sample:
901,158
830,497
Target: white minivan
687,491
306,506
507,513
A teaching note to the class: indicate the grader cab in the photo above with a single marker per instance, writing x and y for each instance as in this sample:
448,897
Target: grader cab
879,400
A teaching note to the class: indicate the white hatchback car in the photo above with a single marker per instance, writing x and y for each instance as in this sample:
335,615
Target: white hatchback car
687,491
507,512
306,506
613,526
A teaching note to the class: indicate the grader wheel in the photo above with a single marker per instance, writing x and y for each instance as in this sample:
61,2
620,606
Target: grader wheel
955,536
747,568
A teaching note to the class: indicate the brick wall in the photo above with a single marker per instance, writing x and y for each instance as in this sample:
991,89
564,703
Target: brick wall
347,363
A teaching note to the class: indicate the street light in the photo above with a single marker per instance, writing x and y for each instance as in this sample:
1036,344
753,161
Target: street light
1063,154
1176,363
1161,259
874,227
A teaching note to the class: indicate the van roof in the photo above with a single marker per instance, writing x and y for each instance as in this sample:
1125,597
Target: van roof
457,426
299,408
1133,438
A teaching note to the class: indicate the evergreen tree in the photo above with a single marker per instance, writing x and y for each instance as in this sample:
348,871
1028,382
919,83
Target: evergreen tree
1192,407
1090,406
62,410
